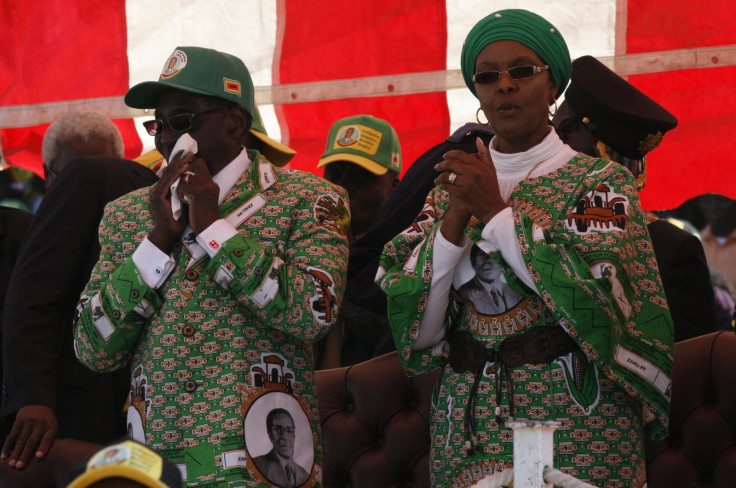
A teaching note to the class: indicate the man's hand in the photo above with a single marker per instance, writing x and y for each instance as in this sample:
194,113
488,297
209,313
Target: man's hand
200,192
34,431
167,229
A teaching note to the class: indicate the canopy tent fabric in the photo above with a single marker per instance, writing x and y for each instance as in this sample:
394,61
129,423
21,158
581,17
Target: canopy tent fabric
315,62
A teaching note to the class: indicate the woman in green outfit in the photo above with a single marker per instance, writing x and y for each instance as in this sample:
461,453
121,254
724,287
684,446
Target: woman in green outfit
576,329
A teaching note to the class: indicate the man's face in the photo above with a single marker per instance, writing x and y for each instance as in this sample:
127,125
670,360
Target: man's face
486,268
282,435
573,132
367,191
216,146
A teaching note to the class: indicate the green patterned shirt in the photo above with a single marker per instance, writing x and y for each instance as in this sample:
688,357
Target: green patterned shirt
584,242
225,340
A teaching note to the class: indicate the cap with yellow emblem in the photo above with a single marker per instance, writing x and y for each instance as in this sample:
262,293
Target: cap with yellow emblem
127,460
209,72
365,140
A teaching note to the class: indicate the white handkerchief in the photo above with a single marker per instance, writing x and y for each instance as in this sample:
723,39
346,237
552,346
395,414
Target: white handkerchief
185,144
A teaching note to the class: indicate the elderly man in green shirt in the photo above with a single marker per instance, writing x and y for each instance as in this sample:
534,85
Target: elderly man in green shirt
214,281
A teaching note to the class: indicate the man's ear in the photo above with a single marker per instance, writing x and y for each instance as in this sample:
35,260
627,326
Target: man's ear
241,121
566,127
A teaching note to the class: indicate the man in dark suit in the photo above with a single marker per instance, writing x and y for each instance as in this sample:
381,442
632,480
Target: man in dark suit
605,116
46,391
13,226
76,135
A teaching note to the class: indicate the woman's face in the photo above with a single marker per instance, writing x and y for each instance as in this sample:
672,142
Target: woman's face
516,109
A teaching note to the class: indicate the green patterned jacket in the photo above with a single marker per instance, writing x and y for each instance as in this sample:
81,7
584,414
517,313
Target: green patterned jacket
228,339
584,241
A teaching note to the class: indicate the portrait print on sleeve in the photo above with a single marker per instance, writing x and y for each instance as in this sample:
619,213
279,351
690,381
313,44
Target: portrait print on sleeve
487,291
278,438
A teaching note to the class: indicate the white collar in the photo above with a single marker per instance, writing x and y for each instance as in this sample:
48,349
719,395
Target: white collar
229,175
513,164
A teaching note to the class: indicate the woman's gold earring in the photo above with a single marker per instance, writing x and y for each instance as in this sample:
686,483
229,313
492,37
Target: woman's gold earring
550,112
477,117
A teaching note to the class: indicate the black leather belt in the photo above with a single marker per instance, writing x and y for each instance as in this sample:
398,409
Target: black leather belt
535,346
468,355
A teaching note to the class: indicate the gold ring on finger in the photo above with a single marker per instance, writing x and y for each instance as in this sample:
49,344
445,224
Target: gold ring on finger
452,178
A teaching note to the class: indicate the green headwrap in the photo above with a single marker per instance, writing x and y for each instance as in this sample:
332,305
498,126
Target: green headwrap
522,26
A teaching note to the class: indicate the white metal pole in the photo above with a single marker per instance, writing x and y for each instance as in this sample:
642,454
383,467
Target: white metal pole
533,450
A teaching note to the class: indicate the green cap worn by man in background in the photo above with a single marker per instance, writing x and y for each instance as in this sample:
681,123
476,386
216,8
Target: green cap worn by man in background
363,156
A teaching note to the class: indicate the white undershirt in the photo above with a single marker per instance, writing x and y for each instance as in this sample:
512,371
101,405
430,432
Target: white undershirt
451,263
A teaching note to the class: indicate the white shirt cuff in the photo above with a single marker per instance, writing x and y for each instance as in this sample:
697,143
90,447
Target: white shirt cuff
213,237
153,264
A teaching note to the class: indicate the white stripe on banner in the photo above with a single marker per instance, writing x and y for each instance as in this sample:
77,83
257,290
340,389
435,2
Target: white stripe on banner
451,81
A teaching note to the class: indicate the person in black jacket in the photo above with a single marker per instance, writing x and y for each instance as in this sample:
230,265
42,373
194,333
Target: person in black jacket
46,391
367,333
13,226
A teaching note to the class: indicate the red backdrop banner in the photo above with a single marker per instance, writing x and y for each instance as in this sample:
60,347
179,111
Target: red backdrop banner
691,160
358,39
61,50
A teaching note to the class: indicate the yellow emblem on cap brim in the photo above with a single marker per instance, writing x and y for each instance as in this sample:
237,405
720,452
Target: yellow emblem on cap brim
650,142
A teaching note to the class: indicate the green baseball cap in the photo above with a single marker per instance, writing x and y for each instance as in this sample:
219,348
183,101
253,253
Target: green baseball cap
365,140
208,72
198,70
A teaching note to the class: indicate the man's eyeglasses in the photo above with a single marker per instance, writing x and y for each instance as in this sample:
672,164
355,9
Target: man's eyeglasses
178,123
517,73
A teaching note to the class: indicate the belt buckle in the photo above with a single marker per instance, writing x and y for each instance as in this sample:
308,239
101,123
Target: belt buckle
513,355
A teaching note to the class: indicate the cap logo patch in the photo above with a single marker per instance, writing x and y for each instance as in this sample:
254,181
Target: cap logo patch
112,455
176,62
347,136
395,160
359,138
232,86
650,142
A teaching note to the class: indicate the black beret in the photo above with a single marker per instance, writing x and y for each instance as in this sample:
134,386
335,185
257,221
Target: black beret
617,113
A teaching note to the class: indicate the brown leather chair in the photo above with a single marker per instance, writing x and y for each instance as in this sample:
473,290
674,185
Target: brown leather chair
375,425
376,433
700,450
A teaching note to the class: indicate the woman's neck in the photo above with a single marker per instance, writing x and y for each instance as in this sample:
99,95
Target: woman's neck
522,144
